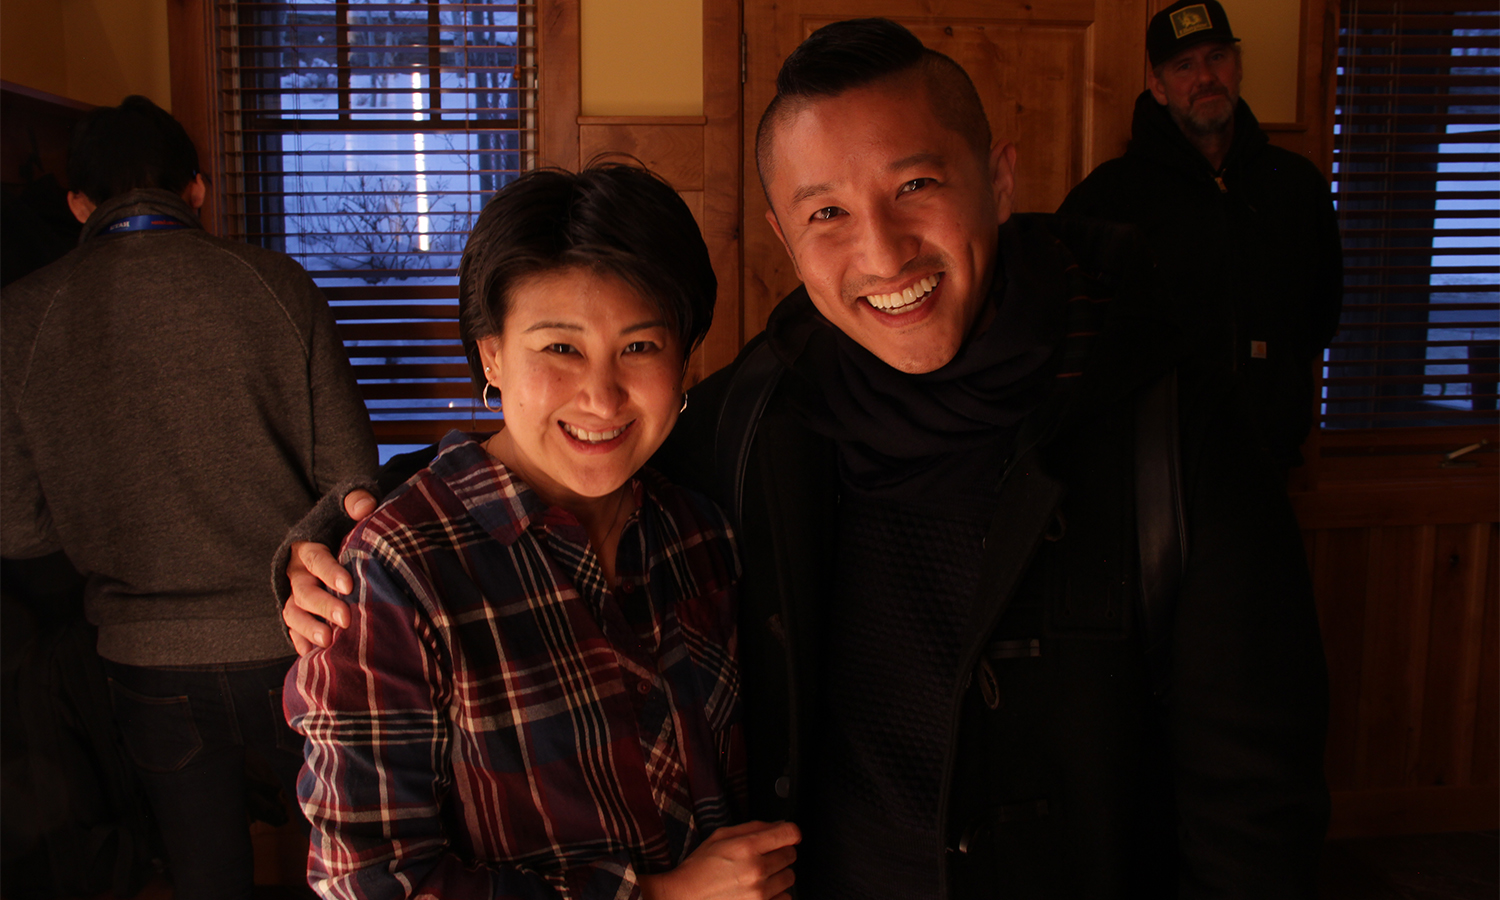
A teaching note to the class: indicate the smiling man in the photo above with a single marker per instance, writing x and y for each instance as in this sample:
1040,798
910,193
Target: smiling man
963,677
1244,232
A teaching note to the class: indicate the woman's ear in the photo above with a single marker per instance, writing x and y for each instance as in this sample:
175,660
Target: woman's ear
489,356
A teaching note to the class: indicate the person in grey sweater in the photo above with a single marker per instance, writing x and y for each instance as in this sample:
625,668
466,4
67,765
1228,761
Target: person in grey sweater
172,403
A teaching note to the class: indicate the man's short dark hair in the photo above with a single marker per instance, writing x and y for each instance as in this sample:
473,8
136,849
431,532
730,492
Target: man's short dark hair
858,52
612,218
137,144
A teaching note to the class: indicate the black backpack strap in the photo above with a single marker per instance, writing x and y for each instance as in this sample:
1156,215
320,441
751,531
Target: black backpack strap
1161,528
750,389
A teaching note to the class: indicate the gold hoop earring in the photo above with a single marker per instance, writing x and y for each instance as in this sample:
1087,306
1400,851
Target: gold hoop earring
484,396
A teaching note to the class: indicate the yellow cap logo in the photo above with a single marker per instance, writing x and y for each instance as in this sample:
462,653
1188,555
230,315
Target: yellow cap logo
1190,19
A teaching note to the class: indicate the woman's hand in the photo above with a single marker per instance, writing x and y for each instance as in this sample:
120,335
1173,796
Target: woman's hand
752,861
311,569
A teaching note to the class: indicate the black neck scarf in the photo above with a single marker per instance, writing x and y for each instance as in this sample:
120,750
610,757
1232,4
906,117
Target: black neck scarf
938,439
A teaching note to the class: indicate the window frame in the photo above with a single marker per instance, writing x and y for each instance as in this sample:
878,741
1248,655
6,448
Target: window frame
1341,459
197,103
1390,190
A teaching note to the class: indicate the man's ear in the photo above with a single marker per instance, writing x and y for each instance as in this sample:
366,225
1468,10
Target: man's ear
776,227
196,192
81,205
1157,86
1003,177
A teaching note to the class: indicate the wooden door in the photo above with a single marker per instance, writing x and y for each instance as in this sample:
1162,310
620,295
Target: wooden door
1058,79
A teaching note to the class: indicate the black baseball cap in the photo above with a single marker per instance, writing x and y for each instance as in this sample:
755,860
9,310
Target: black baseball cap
1185,24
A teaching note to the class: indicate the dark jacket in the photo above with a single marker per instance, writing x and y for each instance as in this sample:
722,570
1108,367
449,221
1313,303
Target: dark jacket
1248,253
1079,783
1073,770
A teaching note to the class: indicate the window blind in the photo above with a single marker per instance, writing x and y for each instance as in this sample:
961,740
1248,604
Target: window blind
363,138
1417,184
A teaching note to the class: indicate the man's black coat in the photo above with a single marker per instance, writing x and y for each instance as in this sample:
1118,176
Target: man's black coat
1079,783
1249,253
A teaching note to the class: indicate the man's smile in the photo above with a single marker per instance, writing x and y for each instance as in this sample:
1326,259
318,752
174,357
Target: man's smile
908,299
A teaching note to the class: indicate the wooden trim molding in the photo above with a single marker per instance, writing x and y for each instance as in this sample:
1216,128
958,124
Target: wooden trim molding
558,92
31,93
1422,810
191,46
723,193
642,120
1458,501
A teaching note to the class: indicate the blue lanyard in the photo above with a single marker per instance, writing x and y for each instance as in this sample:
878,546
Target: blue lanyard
142,223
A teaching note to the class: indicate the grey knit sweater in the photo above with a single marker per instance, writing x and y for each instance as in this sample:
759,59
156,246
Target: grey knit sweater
172,403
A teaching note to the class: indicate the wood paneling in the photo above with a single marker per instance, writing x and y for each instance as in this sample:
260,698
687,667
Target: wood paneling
1485,767
191,42
1408,502
1412,811
1398,607
675,152
558,83
1408,615
1404,556
1340,563
1033,80
722,195
694,201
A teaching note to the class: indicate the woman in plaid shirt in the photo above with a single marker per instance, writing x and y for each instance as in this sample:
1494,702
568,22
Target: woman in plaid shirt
537,693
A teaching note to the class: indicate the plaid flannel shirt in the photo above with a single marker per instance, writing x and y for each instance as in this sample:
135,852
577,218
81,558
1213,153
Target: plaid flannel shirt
496,722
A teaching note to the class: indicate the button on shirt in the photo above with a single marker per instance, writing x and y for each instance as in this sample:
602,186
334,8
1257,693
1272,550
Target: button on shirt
496,721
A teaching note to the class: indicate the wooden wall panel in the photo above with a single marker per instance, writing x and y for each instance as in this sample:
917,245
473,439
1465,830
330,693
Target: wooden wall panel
1409,616
558,90
694,201
1341,564
1452,675
1485,767
672,149
1034,83
192,44
722,190
1394,657
1312,134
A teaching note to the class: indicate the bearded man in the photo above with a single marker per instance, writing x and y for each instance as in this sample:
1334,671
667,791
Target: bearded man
1243,232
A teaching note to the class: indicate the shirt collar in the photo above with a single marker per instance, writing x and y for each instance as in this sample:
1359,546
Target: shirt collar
138,202
504,505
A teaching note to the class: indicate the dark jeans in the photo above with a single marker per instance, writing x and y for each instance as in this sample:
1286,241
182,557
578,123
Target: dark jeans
188,730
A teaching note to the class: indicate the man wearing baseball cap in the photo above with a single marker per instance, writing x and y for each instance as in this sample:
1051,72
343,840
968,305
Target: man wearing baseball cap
1244,233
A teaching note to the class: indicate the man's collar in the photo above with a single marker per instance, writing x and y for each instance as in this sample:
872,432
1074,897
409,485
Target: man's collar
138,202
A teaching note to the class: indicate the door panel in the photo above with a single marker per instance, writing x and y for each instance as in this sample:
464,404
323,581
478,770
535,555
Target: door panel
1058,79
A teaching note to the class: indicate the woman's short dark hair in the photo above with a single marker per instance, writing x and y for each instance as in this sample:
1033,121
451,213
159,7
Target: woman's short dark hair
137,144
611,218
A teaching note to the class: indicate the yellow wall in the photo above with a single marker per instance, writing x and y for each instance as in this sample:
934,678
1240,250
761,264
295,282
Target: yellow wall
97,51
33,48
637,58
1270,33
641,58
